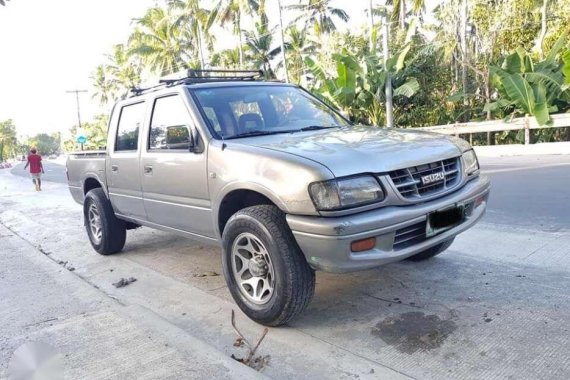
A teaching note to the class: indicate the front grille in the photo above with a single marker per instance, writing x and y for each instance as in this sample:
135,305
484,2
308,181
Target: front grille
408,181
410,235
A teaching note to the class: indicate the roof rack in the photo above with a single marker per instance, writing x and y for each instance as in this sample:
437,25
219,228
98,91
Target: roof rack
191,76
198,76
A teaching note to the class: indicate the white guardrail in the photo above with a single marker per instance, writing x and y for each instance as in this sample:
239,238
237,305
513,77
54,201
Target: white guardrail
522,123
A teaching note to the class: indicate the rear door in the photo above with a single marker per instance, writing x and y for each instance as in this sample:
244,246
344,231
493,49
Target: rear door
123,165
174,180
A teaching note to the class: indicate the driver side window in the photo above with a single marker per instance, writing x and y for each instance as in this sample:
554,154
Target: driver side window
170,125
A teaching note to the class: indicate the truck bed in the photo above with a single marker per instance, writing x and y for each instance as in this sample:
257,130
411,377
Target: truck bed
82,166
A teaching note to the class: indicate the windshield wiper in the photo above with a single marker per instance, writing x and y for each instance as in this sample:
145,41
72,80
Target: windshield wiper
316,127
255,133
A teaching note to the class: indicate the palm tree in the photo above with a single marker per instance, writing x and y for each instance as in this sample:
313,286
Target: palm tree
105,86
259,42
228,59
231,11
188,14
117,76
320,15
400,10
162,46
298,47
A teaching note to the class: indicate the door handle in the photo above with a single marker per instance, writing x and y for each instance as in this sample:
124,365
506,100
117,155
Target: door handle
114,168
148,169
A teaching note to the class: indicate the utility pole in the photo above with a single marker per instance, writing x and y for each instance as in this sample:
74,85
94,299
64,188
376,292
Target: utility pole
386,55
78,112
283,43
370,25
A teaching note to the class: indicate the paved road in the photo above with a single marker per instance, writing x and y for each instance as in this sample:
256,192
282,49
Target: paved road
495,306
54,172
529,191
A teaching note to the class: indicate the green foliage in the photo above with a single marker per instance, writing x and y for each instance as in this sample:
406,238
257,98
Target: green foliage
320,15
8,140
357,86
512,64
95,131
46,144
260,41
530,88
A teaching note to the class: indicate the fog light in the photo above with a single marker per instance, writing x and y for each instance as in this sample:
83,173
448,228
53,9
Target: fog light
363,245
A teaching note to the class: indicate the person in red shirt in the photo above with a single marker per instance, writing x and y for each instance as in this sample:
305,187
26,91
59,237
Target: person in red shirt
36,168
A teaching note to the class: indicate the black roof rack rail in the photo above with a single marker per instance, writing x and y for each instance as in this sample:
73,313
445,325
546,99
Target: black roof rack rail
201,76
213,75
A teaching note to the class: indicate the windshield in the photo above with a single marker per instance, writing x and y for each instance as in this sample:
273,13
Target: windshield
242,111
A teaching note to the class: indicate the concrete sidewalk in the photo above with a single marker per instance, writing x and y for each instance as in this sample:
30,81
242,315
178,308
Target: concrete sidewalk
97,336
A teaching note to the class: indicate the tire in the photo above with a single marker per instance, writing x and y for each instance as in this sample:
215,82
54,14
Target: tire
280,282
432,251
109,236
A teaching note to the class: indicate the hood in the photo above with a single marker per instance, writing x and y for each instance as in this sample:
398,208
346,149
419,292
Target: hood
361,149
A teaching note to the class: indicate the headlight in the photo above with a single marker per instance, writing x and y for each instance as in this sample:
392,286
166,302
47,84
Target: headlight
346,192
470,163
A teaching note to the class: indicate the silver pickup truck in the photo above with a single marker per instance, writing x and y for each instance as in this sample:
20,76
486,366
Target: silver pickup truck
283,183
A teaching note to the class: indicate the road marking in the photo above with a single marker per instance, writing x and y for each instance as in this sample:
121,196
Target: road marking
524,168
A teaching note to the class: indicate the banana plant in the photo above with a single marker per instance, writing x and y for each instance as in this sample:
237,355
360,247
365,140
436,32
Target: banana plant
357,85
529,88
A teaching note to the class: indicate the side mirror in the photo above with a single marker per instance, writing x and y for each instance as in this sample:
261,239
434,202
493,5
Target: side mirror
181,137
192,148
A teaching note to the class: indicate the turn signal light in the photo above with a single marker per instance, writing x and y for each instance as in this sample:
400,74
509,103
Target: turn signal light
480,200
363,245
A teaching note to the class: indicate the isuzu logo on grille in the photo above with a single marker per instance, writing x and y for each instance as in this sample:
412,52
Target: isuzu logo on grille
431,178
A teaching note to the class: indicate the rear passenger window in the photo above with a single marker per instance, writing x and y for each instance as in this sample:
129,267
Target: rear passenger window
170,125
130,122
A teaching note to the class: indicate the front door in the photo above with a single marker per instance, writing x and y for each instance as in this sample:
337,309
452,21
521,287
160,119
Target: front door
123,166
174,179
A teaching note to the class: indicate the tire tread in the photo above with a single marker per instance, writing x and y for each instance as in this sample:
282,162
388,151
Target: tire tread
114,229
302,275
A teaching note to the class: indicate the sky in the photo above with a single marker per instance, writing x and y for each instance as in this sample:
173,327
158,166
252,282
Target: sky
50,47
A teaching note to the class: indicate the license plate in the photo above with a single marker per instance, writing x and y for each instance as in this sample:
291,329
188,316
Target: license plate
445,219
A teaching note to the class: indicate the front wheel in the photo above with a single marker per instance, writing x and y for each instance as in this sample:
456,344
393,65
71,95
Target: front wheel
107,234
265,270
432,251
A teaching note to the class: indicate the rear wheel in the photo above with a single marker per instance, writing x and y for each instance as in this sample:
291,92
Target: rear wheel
265,270
107,234
432,251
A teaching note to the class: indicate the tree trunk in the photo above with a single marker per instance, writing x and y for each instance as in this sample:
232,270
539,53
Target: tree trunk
402,14
543,25
201,48
388,88
238,21
465,59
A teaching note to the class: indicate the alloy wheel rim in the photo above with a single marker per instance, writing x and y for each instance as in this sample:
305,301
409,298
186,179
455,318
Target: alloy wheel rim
95,224
252,269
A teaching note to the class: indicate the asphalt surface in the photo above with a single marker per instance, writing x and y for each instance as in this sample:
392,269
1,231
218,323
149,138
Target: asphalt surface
494,306
531,191
54,172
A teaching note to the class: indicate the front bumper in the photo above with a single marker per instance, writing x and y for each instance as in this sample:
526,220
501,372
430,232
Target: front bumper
326,241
